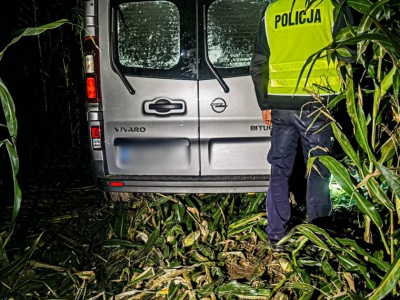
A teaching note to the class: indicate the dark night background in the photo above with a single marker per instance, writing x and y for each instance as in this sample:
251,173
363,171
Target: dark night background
44,76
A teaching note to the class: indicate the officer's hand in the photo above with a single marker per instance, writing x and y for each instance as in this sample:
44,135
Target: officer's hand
266,114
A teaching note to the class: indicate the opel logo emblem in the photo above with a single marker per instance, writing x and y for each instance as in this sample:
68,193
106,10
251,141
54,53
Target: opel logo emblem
218,105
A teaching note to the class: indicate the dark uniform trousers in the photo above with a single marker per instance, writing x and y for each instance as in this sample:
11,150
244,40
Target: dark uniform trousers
287,127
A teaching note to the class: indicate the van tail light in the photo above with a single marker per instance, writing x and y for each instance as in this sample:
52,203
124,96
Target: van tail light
116,183
91,89
92,69
95,134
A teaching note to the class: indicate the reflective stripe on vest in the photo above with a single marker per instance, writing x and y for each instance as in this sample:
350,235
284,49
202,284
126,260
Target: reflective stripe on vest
295,33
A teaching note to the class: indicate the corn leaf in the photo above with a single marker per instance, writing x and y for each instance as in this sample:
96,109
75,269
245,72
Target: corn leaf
149,244
346,146
236,289
344,34
121,223
321,232
17,191
360,5
244,221
396,84
332,285
343,178
255,202
343,52
371,12
387,82
116,243
380,91
32,31
147,273
190,239
388,149
9,111
350,265
389,281
308,233
3,254
379,194
211,287
13,268
300,286
392,179
172,290
327,268
357,115
383,265
379,37
262,235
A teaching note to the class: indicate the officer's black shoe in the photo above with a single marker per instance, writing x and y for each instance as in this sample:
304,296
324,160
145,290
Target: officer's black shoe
275,247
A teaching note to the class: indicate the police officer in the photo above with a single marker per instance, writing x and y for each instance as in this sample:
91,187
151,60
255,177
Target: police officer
288,34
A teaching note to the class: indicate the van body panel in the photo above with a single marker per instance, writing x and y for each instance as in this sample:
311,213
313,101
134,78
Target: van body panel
125,120
162,145
91,17
233,138
140,134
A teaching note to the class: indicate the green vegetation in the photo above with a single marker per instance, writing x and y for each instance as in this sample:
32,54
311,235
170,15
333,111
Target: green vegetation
10,144
214,246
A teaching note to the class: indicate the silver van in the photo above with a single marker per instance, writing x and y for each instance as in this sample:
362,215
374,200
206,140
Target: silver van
170,103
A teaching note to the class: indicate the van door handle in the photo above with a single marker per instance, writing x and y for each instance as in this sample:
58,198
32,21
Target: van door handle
164,106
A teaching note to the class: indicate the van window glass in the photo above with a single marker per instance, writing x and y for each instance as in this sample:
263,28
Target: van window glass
148,35
232,25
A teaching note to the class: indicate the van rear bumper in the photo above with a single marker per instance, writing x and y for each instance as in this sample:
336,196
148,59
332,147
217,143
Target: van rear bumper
219,184
179,184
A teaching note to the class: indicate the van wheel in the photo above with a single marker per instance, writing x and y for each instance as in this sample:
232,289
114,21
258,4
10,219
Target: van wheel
116,196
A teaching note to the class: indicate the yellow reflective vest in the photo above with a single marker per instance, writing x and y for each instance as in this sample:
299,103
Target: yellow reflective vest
295,32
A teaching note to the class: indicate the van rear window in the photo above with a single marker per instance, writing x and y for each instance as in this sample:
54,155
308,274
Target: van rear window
232,25
148,35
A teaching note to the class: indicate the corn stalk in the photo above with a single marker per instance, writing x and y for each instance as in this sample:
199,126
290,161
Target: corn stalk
7,267
373,151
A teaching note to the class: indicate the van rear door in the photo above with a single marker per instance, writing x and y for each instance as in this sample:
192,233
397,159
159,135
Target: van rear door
178,105
233,138
153,46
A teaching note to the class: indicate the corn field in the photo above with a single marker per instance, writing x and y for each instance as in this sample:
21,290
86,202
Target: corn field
198,246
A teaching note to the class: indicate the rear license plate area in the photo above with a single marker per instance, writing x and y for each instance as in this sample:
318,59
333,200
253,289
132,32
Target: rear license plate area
152,153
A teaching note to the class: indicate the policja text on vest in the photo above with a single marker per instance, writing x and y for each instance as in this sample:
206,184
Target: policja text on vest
301,17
